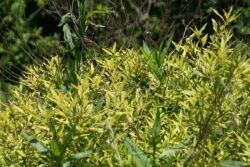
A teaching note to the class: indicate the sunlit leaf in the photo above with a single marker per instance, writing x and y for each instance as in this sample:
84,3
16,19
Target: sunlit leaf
215,25
218,14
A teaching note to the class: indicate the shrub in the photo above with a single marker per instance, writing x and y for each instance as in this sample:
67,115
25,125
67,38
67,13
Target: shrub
148,108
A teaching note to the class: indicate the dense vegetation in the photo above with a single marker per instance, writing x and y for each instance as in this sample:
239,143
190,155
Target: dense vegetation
148,100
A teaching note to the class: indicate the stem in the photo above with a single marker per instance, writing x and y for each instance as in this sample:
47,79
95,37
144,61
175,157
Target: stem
154,150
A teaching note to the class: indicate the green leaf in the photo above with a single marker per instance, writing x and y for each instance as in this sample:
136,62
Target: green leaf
173,150
204,40
203,28
37,145
215,25
231,163
81,155
114,47
169,152
217,13
96,25
169,41
108,51
177,148
17,9
68,36
157,126
138,156
64,19
55,148
54,134
68,137
150,57
165,50
100,11
146,49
